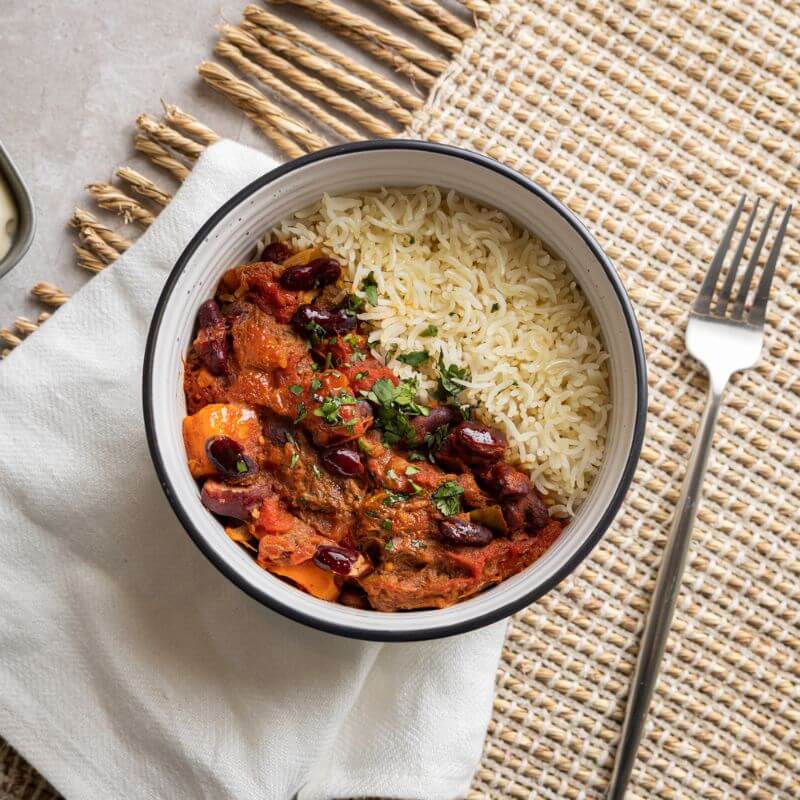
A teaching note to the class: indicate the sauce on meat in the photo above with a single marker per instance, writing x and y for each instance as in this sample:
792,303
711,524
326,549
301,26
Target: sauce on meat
323,463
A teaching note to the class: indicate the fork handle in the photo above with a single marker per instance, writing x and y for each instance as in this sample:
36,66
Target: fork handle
665,594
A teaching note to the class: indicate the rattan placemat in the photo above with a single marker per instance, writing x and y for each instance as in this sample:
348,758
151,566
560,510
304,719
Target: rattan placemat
648,119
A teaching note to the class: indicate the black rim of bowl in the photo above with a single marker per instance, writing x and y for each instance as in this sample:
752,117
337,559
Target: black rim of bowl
421,633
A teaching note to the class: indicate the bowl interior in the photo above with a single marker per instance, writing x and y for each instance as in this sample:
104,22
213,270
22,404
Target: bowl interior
228,240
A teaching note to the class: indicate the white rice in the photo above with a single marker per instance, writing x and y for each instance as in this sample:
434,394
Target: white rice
538,363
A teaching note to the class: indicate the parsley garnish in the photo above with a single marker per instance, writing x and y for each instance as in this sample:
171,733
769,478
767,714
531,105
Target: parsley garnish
495,306
316,383
447,498
386,524
315,470
301,413
411,471
392,498
414,359
295,389
431,330
364,447
416,457
360,375
355,305
389,546
329,410
356,357
370,288
448,375
241,466
290,438
390,354
412,239
294,460
392,475
396,405
436,438
370,512
316,331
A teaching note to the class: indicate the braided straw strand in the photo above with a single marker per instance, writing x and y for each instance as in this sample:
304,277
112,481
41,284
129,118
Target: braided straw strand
24,326
314,63
87,259
43,317
9,339
169,137
270,120
113,199
183,121
480,8
84,221
161,157
245,42
419,23
227,50
445,19
271,22
49,294
143,186
339,17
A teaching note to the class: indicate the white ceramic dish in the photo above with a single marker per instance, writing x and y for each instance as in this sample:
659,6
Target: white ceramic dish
227,239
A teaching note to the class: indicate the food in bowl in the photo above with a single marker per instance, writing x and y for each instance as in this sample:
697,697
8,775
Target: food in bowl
399,403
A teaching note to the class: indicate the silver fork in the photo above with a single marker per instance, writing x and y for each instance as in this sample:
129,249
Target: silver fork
724,342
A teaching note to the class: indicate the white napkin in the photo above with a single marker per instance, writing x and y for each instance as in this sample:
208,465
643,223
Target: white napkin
130,667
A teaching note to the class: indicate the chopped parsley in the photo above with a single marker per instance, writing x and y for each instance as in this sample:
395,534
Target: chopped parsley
416,457
370,512
448,375
329,410
447,498
364,447
316,331
412,239
355,305
390,354
295,389
396,405
301,413
241,466
370,288
435,439
294,460
392,498
417,489
360,375
414,359
315,470
291,439
412,471
431,330
392,475
356,356
316,384
389,546
386,524
495,306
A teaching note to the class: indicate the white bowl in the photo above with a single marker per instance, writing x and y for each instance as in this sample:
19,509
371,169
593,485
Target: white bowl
227,239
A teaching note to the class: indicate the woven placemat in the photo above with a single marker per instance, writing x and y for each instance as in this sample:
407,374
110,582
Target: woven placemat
648,119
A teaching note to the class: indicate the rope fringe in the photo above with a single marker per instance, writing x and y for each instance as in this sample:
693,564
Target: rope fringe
161,157
419,23
143,186
186,123
168,137
114,199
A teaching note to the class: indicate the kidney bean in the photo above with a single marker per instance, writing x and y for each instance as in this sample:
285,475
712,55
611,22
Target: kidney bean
276,252
339,560
526,512
462,533
331,322
502,480
478,444
319,272
211,342
209,314
344,461
227,457
233,501
437,416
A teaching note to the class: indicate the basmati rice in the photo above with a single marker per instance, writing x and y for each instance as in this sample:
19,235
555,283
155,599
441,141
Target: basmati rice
503,307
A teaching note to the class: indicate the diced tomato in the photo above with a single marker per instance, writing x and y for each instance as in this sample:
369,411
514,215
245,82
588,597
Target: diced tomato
273,519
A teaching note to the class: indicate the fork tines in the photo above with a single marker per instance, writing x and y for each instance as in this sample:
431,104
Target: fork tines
724,295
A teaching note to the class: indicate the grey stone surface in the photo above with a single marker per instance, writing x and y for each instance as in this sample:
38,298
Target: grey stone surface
73,76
